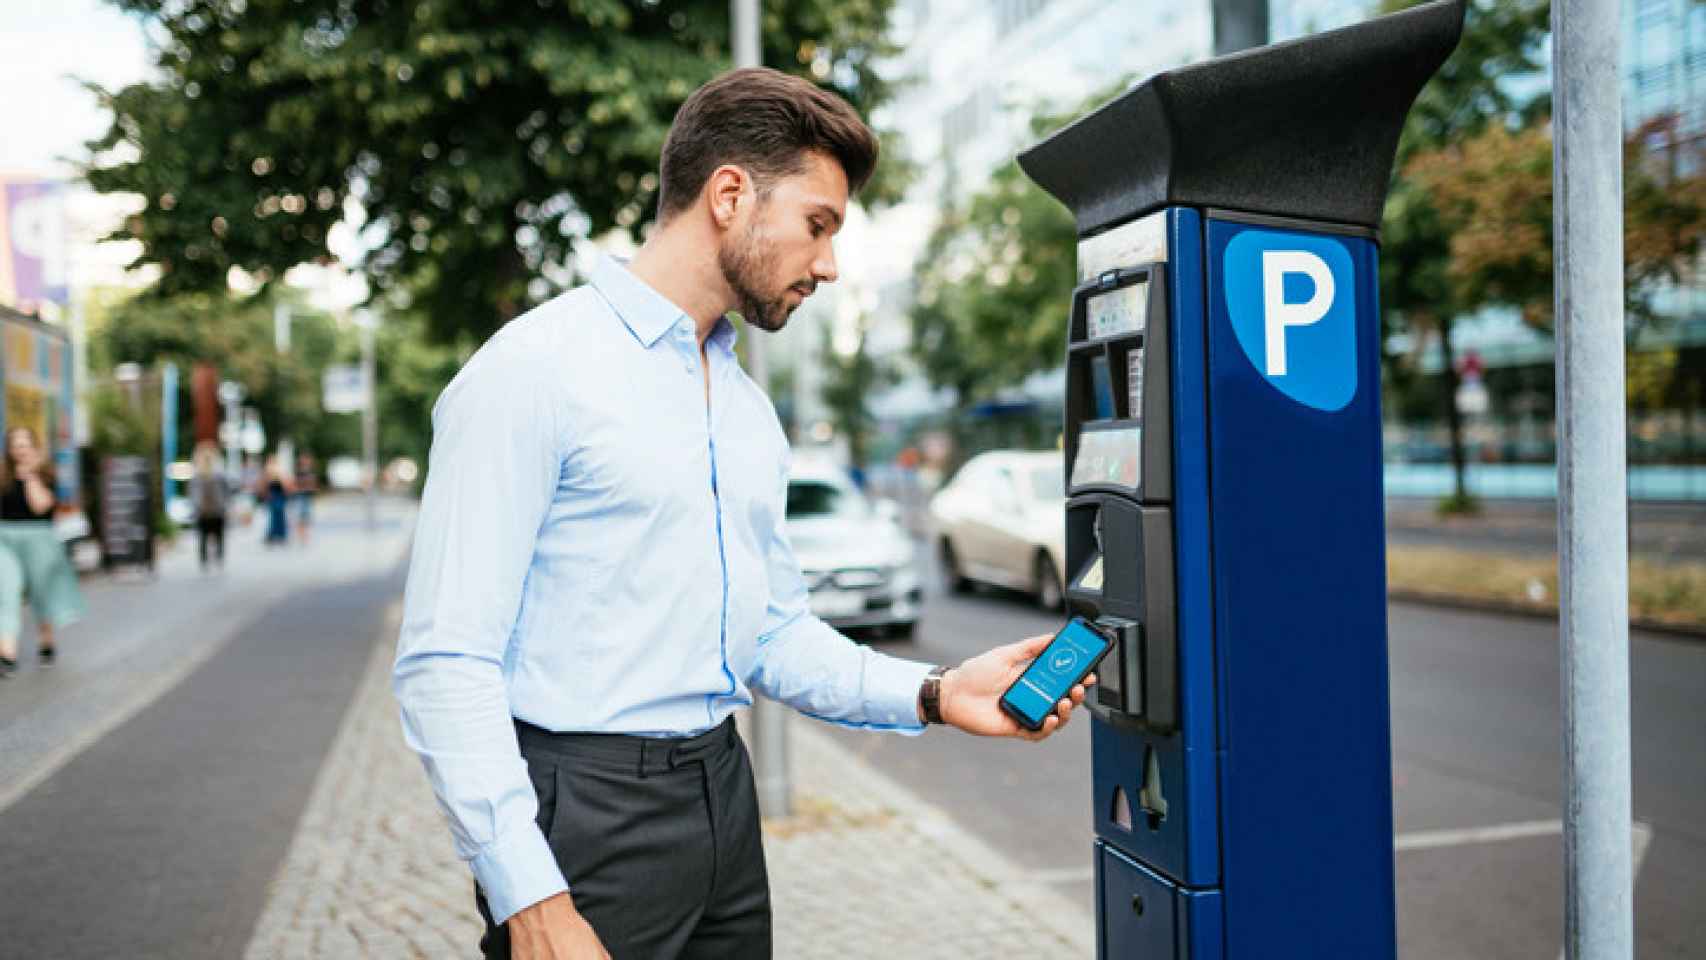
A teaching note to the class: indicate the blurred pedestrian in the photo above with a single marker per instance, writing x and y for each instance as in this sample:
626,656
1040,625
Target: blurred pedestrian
275,493
307,485
32,560
210,492
601,576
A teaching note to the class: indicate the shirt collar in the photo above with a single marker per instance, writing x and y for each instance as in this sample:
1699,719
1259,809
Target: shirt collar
646,312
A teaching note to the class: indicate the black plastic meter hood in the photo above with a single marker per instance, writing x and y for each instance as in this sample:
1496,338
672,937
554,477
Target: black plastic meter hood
1306,128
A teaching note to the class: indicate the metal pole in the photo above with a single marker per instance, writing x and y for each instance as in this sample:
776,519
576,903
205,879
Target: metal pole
769,721
1239,25
743,28
370,425
1593,561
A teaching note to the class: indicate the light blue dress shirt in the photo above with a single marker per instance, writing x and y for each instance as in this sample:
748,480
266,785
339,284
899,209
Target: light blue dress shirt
599,549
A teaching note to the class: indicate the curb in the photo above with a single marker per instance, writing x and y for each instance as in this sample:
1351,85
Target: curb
1685,631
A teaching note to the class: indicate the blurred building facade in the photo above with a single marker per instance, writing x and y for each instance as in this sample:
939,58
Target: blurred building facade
1512,441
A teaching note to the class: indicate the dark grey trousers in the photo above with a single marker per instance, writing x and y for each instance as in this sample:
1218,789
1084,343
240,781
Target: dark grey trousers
658,838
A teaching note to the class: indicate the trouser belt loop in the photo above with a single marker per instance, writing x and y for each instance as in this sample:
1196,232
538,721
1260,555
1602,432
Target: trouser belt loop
643,746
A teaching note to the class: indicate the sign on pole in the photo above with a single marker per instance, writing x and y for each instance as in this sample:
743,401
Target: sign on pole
32,244
344,388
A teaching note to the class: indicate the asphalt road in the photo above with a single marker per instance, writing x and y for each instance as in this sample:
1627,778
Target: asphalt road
1477,776
1658,532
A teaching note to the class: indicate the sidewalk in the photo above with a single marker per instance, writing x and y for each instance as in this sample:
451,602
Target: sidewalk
142,634
864,868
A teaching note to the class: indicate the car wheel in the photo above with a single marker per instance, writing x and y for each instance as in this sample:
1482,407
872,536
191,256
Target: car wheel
1049,594
953,578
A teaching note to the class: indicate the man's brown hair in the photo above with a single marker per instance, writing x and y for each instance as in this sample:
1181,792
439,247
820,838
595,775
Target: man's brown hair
763,120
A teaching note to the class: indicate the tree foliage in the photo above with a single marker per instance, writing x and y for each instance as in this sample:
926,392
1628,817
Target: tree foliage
236,336
1491,80
993,286
480,138
1493,194
849,382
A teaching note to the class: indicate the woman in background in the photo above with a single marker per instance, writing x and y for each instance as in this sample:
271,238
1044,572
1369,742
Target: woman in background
276,495
307,484
32,560
209,494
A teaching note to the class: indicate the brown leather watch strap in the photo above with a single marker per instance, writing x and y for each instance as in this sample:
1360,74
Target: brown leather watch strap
930,695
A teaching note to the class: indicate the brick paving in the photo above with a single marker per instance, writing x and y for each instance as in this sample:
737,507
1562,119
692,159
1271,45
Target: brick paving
862,869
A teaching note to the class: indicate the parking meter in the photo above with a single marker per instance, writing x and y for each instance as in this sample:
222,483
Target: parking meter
1225,512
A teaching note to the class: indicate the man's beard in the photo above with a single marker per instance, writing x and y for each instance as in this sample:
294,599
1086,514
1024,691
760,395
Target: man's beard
744,266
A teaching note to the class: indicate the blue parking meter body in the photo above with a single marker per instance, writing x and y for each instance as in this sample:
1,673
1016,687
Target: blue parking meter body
1224,518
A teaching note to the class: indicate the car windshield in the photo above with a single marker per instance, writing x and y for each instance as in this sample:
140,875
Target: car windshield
1048,483
814,498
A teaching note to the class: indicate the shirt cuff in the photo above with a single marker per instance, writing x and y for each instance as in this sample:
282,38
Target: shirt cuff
891,693
517,871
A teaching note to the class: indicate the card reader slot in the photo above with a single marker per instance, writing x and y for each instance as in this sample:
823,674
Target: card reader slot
1136,602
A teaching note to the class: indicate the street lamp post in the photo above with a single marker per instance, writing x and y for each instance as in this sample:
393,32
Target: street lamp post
367,322
1593,520
769,722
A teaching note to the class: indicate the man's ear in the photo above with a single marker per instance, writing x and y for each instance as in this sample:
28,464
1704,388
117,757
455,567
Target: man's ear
726,192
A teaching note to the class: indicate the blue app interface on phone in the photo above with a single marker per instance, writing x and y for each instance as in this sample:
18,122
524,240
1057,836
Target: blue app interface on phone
1051,675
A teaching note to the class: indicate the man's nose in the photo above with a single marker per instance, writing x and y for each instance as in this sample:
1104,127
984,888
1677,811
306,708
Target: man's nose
823,268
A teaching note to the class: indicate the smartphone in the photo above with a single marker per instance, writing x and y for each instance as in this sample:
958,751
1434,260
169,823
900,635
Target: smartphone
1065,662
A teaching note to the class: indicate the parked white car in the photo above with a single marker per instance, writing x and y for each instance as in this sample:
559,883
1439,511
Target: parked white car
1002,521
859,563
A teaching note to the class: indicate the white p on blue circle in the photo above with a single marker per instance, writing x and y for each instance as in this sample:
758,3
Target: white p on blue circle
1292,301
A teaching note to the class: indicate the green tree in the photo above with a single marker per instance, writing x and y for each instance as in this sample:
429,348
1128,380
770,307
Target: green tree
849,382
411,370
1479,86
993,286
478,139
235,334
1493,195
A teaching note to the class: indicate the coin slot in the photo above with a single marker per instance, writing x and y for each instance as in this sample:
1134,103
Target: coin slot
1151,798
1121,812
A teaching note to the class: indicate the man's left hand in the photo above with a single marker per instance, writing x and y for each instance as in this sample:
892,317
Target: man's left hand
971,692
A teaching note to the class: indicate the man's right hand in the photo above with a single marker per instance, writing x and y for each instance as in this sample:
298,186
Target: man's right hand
553,929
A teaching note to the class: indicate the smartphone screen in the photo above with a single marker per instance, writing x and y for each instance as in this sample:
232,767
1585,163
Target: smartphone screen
1068,658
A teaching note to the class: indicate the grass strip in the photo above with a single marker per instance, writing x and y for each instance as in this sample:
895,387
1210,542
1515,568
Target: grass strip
1668,594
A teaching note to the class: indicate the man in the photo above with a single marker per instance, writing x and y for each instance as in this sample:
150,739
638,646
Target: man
600,576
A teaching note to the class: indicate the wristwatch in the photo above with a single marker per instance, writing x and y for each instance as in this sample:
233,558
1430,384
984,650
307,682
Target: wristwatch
930,695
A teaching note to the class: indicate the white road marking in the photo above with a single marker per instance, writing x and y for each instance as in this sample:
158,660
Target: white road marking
1435,839
1640,838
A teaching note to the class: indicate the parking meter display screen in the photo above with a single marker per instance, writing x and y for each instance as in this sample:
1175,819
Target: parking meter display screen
1125,310
1110,457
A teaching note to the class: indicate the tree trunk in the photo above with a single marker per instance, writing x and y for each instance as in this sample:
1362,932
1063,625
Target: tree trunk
1453,419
